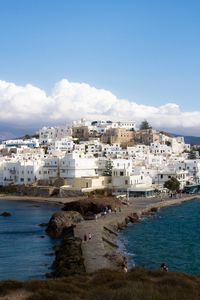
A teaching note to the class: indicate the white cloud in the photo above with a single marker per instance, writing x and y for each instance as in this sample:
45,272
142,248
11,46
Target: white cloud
28,105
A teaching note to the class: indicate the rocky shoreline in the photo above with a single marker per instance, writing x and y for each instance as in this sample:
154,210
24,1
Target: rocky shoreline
76,255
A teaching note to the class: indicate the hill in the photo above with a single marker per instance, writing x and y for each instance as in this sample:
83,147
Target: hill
138,284
193,140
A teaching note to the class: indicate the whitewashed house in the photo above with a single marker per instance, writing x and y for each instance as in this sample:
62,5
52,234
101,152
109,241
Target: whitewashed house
47,135
78,165
165,175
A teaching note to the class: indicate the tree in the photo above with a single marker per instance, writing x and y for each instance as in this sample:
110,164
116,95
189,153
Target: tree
145,125
168,143
109,167
192,155
172,184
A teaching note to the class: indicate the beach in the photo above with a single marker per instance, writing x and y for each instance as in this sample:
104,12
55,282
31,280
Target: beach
59,200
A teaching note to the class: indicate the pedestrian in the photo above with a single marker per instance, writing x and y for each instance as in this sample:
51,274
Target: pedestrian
95,217
85,237
124,266
164,267
89,236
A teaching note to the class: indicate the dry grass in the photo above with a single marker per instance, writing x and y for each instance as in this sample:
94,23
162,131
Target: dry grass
138,284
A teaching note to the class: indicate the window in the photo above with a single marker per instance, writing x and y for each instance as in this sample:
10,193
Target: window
126,181
121,173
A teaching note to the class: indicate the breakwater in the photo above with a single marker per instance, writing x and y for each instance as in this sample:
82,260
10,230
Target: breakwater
99,252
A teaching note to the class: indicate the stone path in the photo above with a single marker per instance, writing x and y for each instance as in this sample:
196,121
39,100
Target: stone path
94,250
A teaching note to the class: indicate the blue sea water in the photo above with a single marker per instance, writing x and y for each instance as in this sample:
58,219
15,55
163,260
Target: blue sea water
24,245
171,236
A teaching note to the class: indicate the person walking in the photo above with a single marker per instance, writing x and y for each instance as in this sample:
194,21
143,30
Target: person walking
164,267
85,237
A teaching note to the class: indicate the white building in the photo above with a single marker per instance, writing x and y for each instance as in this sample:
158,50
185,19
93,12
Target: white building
163,176
157,148
47,135
78,165
59,146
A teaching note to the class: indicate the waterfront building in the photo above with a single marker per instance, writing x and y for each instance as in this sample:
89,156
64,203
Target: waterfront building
192,166
165,175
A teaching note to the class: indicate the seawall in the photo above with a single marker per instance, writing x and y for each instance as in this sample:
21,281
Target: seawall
102,251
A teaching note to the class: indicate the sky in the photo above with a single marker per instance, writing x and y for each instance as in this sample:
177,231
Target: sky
113,59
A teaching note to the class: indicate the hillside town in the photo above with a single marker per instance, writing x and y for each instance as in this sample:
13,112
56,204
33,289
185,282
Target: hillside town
84,156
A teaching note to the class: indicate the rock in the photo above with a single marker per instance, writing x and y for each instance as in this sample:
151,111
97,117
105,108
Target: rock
88,208
133,218
117,258
154,209
61,221
6,214
43,224
50,254
147,213
69,259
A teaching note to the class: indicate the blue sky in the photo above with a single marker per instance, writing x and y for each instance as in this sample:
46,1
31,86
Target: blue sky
144,51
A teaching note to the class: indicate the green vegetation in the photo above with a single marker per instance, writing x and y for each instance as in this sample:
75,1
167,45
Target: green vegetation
172,184
168,143
194,153
138,284
10,189
144,125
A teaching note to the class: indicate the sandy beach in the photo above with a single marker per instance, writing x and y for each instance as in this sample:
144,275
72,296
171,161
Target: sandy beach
58,200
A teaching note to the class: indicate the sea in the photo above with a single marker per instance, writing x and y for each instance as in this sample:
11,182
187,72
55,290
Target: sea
26,251
170,236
